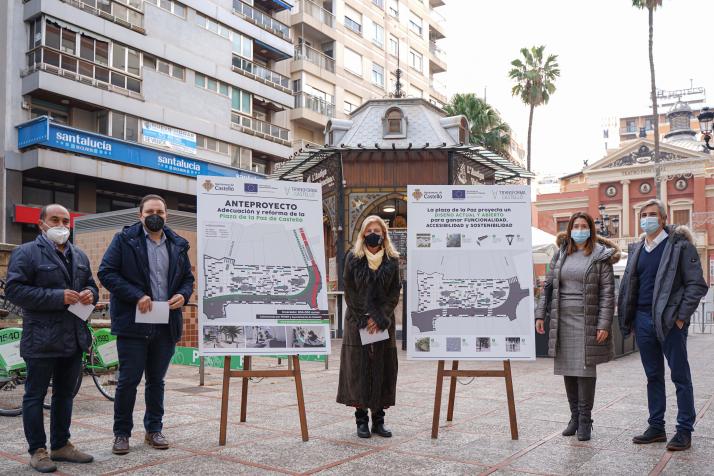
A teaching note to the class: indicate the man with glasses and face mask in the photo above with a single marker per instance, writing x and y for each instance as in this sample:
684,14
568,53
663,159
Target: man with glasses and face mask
44,278
660,290
146,263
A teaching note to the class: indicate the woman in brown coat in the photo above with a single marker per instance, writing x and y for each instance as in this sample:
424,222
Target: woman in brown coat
368,373
579,297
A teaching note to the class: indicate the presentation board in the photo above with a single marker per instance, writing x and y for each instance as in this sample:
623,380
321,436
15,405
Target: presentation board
261,268
470,273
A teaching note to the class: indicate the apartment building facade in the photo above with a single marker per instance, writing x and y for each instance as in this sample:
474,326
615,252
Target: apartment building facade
348,51
107,100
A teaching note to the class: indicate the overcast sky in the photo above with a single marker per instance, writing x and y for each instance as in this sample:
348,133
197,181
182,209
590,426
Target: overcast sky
602,52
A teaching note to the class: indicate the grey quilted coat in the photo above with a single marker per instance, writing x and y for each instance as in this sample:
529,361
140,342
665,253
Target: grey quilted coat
599,298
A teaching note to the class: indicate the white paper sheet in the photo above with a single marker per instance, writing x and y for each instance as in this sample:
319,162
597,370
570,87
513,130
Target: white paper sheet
368,338
81,310
11,354
159,313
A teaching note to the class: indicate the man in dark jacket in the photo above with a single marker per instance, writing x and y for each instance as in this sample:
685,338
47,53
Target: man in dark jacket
44,277
660,290
145,263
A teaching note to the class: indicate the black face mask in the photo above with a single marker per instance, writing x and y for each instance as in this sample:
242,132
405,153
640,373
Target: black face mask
154,223
373,240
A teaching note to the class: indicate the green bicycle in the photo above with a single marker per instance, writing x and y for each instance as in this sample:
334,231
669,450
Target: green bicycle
101,362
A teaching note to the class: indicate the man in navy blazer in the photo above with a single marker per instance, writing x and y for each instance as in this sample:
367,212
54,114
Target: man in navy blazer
44,278
145,263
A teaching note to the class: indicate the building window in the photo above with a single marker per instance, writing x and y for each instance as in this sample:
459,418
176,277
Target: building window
393,8
172,6
562,225
680,217
349,107
395,123
205,82
353,19
416,24
164,67
377,75
124,127
36,33
212,25
393,46
241,101
353,62
242,45
82,54
631,126
416,60
241,157
260,166
214,145
378,35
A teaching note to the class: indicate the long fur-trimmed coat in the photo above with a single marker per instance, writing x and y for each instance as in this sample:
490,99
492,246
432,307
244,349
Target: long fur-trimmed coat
598,298
368,374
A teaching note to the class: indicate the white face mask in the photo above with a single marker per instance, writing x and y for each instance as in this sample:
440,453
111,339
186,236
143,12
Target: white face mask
58,234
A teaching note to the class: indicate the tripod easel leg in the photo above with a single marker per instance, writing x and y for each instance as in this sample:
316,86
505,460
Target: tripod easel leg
511,399
437,399
452,392
224,400
244,390
300,397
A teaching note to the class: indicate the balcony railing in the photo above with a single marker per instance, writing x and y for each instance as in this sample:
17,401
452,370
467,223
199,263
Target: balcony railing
302,144
244,66
314,103
438,52
52,61
629,130
261,19
307,53
353,25
317,12
438,86
270,131
436,16
127,15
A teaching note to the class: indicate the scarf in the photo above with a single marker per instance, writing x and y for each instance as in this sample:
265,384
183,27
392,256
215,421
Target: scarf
374,260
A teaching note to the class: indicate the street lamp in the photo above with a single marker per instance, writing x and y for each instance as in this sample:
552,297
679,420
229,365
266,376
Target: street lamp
706,118
604,221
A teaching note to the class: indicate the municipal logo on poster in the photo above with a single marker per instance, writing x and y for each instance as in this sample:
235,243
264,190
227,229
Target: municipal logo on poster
208,185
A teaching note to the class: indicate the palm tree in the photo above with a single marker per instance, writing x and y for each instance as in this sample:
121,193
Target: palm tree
231,332
487,127
535,82
651,6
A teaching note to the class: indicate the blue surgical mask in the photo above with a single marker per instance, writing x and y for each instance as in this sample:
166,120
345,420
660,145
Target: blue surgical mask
580,236
649,224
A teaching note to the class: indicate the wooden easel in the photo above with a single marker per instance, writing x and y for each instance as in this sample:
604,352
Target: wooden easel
246,373
454,373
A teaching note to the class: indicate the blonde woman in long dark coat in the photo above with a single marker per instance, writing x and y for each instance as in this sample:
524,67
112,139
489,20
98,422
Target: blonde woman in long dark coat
368,373
579,297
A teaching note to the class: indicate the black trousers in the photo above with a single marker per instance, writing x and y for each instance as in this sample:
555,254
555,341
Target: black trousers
64,373
148,357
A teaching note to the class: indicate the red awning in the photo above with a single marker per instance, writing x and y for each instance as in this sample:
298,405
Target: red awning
31,215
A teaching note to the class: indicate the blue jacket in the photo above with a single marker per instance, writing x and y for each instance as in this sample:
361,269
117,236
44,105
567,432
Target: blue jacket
679,285
36,280
125,273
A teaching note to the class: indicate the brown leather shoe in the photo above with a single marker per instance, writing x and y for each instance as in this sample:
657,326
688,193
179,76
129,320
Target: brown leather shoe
71,454
121,445
40,461
157,440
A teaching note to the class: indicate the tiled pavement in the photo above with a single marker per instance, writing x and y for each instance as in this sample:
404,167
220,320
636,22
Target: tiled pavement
476,442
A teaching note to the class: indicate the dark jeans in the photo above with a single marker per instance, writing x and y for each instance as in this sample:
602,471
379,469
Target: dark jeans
64,373
674,348
149,357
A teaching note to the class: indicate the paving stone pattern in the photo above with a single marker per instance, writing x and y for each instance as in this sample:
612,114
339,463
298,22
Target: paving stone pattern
476,442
